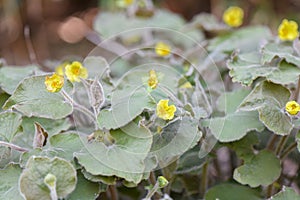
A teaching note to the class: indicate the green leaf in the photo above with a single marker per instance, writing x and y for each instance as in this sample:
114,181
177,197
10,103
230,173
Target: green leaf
245,39
10,77
126,106
36,152
230,191
32,99
286,193
96,66
175,139
234,126
3,99
51,126
263,169
270,99
108,180
84,189
9,125
208,22
229,102
272,50
124,159
285,74
112,24
190,162
66,144
32,184
131,98
244,147
245,68
9,189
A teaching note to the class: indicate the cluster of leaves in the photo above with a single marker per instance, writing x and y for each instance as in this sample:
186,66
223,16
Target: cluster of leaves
124,143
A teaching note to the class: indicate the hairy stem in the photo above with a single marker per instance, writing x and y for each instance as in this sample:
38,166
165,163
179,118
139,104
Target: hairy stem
152,192
78,107
13,146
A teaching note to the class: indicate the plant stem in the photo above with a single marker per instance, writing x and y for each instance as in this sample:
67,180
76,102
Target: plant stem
281,145
113,192
152,191
172,96
77,106
269,191
53,193
153,181
203,184
152,178
13,146
272,142
288,150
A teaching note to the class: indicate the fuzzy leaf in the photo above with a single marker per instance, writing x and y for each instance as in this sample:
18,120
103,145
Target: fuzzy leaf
272,50
10,77
245,68
286,193
234,126
84,189
226,191
9,125
9,189
175,139
126,106
245,40
32,99
125,158
270,99
32,184
263,169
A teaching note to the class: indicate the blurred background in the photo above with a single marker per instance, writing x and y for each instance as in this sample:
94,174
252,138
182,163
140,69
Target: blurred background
33,31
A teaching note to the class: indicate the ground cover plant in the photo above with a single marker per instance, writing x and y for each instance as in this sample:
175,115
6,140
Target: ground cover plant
160,109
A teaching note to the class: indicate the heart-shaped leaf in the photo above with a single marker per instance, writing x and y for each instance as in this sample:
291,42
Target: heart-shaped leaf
263,169
32,99
124,158
32,184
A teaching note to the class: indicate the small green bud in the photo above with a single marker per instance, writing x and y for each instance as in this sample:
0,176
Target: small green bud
50,180
162,182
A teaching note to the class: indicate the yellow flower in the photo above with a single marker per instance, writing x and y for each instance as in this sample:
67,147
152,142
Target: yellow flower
292,107
233,16
164,111
60,69
288,30
162,49
186,85
152,81
75,71
54,83
124,3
